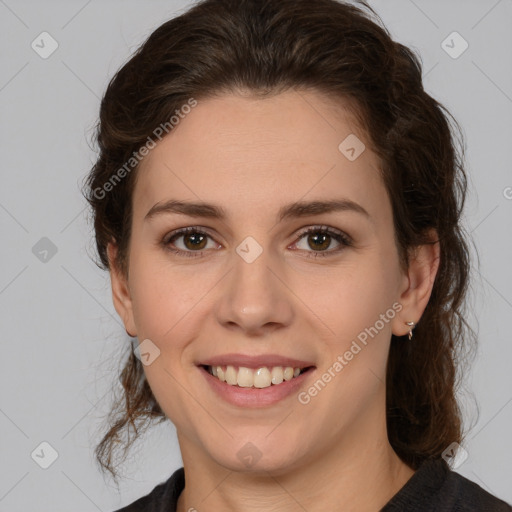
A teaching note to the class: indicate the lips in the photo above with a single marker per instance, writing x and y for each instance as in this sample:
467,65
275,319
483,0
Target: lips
257,372
260,383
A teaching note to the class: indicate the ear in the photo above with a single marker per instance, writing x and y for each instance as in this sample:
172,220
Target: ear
121,291
418,283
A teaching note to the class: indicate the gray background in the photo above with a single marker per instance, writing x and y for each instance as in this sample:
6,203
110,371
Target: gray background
61,337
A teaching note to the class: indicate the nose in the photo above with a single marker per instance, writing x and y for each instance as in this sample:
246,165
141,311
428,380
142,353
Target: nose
254,298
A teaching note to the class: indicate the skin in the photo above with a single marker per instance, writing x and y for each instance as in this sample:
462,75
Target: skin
252,156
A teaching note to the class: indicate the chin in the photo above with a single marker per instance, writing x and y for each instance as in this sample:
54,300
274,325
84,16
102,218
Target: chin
245,456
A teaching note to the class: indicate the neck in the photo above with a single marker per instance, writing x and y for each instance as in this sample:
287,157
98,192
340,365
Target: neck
357,473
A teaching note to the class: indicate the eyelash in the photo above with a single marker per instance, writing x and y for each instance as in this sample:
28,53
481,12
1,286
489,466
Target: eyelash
340,237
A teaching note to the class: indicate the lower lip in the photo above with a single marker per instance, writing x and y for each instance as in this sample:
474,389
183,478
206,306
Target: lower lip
255,397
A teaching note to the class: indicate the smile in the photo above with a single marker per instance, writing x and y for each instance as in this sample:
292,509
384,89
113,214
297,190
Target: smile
260,378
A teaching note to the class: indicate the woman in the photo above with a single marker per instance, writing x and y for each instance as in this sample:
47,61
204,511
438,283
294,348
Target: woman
278,203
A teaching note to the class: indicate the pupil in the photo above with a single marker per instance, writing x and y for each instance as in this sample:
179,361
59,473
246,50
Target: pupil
197,237
322,235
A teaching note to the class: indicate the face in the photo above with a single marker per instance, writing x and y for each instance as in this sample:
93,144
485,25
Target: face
317,289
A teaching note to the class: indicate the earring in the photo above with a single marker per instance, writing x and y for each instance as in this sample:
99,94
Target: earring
411,327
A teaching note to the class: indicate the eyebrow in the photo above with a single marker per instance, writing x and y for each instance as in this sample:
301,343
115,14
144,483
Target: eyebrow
293,210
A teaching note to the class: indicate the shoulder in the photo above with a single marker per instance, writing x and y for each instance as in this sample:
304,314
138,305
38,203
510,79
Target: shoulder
464,495
436,488
162,498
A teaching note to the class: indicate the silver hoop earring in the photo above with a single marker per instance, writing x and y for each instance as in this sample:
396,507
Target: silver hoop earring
411,327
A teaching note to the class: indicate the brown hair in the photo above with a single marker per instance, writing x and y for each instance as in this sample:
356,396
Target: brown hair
269,46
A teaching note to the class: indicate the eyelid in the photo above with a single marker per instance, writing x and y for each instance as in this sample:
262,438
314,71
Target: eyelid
183,231
323,228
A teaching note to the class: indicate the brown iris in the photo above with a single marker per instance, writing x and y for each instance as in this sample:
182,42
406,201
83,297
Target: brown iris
196,240
322,237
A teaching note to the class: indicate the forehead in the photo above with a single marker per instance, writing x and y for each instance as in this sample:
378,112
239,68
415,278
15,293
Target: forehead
254,155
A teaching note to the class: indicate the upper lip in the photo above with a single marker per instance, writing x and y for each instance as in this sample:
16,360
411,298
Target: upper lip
248,361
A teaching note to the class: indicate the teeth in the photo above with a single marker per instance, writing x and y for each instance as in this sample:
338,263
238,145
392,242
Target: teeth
277,375
231,375
262,378
288,373
249,378
245,377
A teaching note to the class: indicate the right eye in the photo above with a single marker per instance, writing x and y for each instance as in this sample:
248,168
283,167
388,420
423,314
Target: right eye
193,242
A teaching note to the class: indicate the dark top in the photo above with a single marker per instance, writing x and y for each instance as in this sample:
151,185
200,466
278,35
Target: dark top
433,488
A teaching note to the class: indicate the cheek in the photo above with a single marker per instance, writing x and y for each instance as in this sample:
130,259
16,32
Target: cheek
163,308
360,312
165,298
354,298
153,309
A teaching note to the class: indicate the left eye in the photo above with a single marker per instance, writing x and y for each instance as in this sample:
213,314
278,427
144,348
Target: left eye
318,238
321,237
